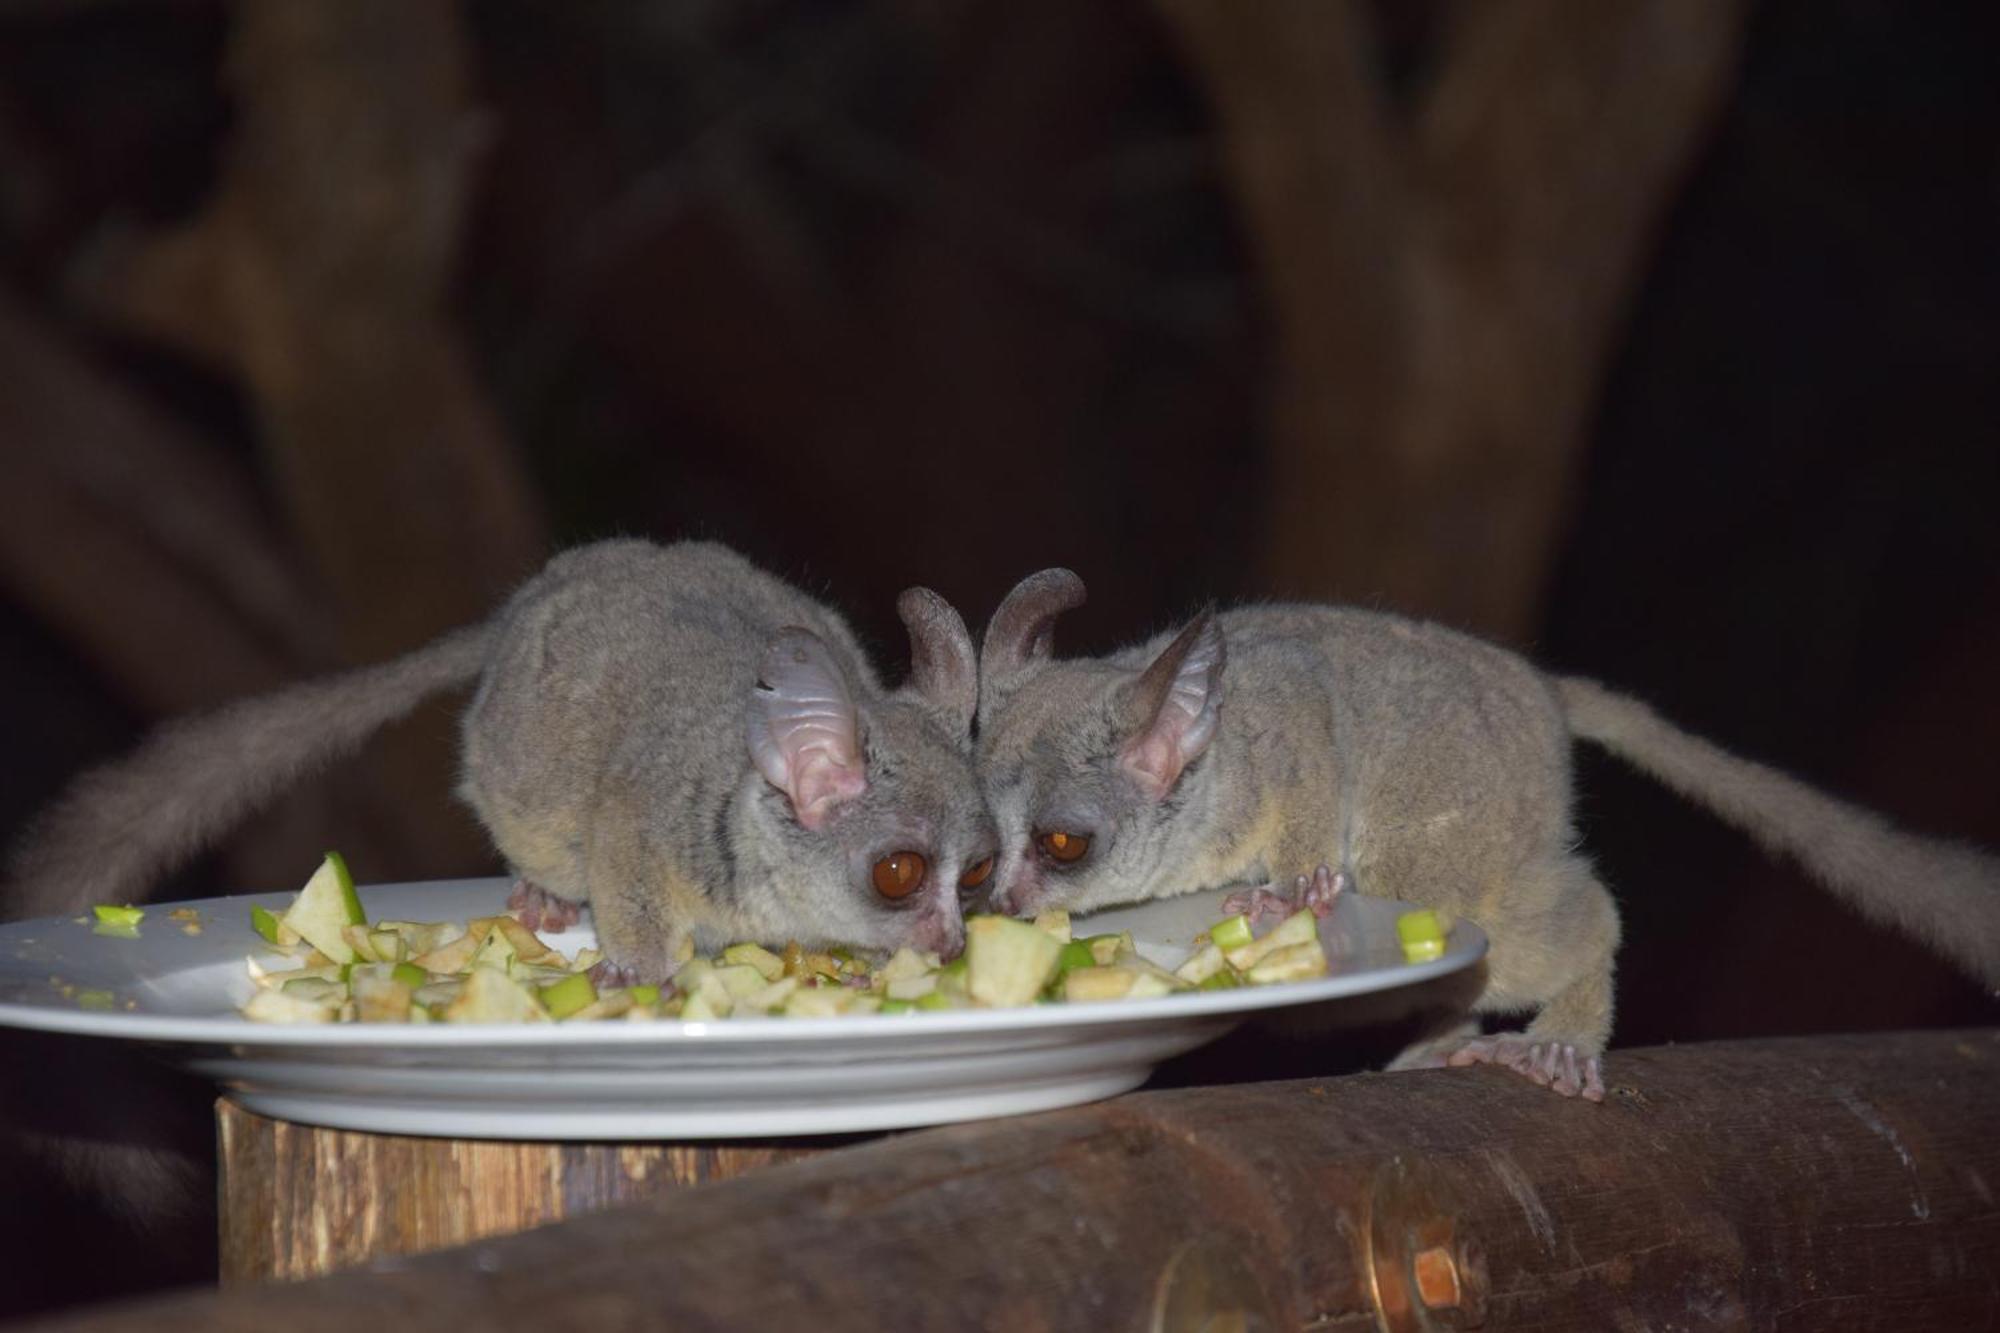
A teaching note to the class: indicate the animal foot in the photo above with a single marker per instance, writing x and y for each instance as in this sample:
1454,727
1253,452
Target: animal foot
1554,1065
608,975
1314,893
538,909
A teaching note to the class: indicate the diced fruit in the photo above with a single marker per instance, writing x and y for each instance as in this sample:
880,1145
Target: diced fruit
1202,964
566,997
1233,933
772,997
698,1009
274,1006
1107,948
740,979
1098,983
905,963
611,1004
326,904
939,1000
379,995
266,923
490,996
410,975
644,994
1007,961
1075,954
1421,934
108,915
818,1002
1054,923
912,988
1301,927
314,988
768,964
951,978
1227,979
893,1006
419,937
1294,962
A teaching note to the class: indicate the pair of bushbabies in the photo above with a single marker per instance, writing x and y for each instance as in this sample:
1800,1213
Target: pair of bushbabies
703,752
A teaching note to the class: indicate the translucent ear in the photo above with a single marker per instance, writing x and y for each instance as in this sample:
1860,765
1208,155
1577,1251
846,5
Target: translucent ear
1174,706
943,667
804,730
1023,629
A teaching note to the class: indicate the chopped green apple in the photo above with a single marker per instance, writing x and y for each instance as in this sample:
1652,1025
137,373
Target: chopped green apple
1202,964
109,915
266,923
1293,962
1421,934
324,906
379,995
1106,949
895,1006
768,964
1054,922
491,996
771,997
1104,982
911,988
1007,961
644,994
275,1006
818,1002
1301,927
564,998
1233,933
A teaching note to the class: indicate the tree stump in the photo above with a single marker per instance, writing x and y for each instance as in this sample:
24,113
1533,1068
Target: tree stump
298,1201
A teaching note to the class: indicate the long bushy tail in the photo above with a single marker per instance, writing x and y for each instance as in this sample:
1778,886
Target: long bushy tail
124,825
1944,894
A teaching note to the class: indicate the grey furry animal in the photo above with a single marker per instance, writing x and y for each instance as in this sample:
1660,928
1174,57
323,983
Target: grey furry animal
1420,764
689,744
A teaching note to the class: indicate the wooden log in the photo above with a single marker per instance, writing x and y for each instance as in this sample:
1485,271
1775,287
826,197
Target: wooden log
298,1201
1829,1182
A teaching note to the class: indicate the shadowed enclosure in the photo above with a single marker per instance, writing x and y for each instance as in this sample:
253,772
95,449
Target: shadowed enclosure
1654,338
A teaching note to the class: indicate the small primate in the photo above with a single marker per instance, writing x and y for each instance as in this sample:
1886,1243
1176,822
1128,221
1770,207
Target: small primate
690,745
1405,760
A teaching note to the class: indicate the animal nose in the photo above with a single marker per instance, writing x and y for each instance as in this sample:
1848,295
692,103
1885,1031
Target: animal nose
942,931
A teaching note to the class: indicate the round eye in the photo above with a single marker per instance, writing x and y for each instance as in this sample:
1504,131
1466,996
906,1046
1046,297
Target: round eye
1064,847
899,874
976,875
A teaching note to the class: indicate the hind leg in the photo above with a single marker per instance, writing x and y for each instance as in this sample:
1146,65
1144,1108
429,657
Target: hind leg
1554,937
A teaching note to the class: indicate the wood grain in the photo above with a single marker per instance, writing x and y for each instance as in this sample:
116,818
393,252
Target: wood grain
1809,1183
298,1201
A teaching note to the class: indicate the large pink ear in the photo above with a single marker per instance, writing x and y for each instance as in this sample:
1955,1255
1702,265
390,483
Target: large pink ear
1174,706
943,668
1023,629
804,730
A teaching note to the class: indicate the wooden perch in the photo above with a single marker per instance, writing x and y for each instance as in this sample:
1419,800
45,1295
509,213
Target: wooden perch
1801,1183
1448,282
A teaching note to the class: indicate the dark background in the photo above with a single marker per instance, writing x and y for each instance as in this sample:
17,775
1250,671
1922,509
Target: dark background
900,293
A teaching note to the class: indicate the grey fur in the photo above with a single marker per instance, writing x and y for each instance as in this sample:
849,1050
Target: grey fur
1428,766
607,751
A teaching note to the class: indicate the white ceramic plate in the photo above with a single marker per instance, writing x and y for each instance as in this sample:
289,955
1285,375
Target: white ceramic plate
737,1078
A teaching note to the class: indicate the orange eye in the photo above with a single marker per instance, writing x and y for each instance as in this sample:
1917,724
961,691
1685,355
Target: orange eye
977,875
899,874
1064,847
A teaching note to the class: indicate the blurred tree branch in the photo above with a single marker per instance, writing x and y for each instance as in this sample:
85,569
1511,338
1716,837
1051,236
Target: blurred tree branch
318,274
1448,283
